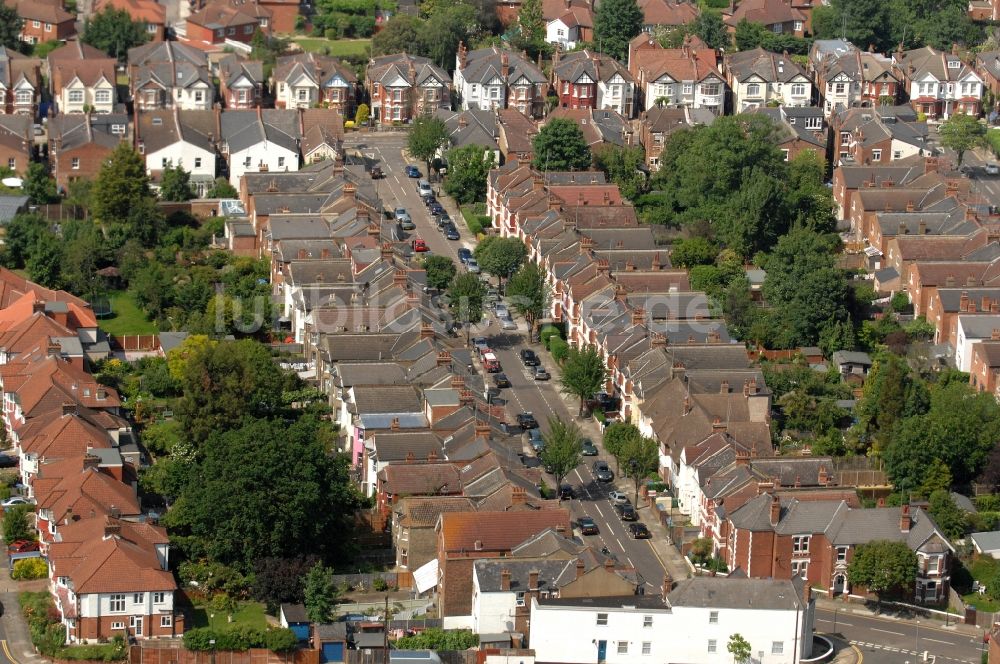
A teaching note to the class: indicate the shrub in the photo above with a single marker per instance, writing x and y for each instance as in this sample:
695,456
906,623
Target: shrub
30,568
993,138
105,652
280,640
546,332
348,124
330,33
558,348
239,638
380,584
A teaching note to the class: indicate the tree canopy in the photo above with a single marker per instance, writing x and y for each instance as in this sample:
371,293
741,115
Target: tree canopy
583,374
618,437
319,593
560,146
501,256
466,294
616,22
11,25
440,271
175,184
961,133
114,32
468,168
884,25
883,567
426,137
563,448
528,293
624,165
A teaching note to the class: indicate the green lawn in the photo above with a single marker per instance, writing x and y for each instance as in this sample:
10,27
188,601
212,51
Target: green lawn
250,614
983,569
126,317
338,48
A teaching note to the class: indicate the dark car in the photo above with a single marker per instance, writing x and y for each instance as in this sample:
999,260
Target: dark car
626,512
587,526
452,233
589,449
412,171
377,173
22,546
7,461
536,441
566,492
528,358
501,380
638,531
429,199
464,254
602,472
530,461
435,209
527,421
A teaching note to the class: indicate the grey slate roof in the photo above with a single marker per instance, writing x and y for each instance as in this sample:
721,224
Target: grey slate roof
551,574
242,129
951,298
724,593
851,357
10,206
232,67
987,541
370,373
637,602
395,446
387,399
166,51
597,66
386,68
484,64
771,67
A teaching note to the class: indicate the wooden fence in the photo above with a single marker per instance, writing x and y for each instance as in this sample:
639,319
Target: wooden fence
150,652
132,343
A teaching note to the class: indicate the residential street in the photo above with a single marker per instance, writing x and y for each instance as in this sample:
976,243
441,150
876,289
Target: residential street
885,640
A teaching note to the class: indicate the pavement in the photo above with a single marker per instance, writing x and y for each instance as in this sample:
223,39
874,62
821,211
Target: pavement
15,638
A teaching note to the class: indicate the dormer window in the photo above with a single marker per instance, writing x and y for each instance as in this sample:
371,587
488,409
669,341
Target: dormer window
157,122
954,64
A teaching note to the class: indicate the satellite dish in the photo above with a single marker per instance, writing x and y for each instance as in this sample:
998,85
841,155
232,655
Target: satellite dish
12,182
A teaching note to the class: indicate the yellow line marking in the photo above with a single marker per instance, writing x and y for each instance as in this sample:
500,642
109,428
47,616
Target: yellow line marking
861,656
6,651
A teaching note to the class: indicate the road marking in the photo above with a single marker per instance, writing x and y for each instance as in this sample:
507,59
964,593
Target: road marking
839,622
6,651
885,631
947,643
619,542
598,508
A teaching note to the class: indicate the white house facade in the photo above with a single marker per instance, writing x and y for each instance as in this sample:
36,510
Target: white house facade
76,97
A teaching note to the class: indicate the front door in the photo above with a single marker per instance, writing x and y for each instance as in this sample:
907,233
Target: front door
136,625
602,651
838,584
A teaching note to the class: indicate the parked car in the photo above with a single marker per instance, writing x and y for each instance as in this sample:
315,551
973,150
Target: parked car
530,461
493,394
452,233
566,492
588,448
480,344
638,531
8,461
527,421
602,472
15,500
424,189
535,439
419,245
541,373
500,380
626,512
992,169
507,324
377,173
407,224
22,546
435,209
472,265
464,254
412,171
618,498
528,358
399,213
587,526
502,311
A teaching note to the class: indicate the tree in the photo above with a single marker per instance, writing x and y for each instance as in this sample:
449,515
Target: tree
17,525
624,166
501,256
11,25
619,437
114,32
440,271
279,580
426,137
563,448
710,28
528,293
937,478
444,31
120,185
399,35
962,132
46,261
361,115
739,648
947,515
468,168
222,189
530,34
641,457
583,374
860,22
319,593
466,294
560,146
39,186
692,251
175,184
616,22
883,567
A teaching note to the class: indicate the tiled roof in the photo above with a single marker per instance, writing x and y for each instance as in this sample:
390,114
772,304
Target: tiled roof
65,436
496,531
114,564
721,593
668,12
414,69
46,11
484,64
423,511
766,12
224,13
770,67
421,479
64,487
139,10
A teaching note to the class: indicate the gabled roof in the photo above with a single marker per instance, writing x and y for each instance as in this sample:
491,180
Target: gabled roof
668,12
225,13
319,69
161,128
414,69
421,479
166,51
88,68
688,63
232,67
928,61
72,130
485,64
139,10
46,11
770,67
496,531
243,129
16,68
766,12
115,564
170,75
597,66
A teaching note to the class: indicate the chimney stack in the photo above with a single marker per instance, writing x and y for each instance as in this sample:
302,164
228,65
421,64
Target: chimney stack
905,520
518,496
504,579
823,477
638,316
533,580
112,529
724,387
394,425
69,516
410,457
399,278
775,509
91,461
426,331
580,568
432,456
483,430
668,582
443,358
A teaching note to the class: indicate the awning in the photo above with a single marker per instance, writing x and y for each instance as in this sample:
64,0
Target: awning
426,576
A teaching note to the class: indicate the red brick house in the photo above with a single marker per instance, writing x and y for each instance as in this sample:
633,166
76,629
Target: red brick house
772,537
227,19
464,537
150,12
984,375
403,86
78,146
946,304
777,16
988,67
16,143
45,21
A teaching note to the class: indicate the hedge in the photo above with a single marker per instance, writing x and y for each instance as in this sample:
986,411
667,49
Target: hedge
993,138
30,568
105,652
546,332
558,348
240,637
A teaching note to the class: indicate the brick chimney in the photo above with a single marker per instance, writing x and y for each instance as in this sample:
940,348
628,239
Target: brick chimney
350,191
463,54
69,516
922,228
742,458
112,529
775,509
718,425
504,579
609,565
443,358
806,594
963,302
656,262
483,430
69,408
504,66
518,496
399,278
457,383
994,336
910,207
905,520
603,266
91,461
537,182
432,456
465,398
638,316
580,568
985,306
668,582
533,580
374,230
410,458
620,293
394,426
823,477
658,341
426,331
930,165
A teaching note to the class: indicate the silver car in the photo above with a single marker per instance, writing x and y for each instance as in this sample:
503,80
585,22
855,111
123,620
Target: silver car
507,324
472,265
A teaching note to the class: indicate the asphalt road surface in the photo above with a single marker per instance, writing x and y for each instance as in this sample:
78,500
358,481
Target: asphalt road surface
885,640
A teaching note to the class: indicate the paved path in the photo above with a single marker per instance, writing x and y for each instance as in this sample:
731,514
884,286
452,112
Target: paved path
15,639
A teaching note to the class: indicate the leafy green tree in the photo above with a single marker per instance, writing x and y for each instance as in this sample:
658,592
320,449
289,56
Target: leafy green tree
83,254
641,458
440,271
860,22
616,22
120,185
692,251
884,568
11,25
444,30
952,521
278,580
39,186
361,115
436,638
563,448
619,437
501,256
560,146
623,165
739,648
466,294
528,294
468,168
175,184
21,235
530,35
17,525
583,374
46,261
400,34
710,28
319,593
937,478
426,137
222,189
961,133
114,32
